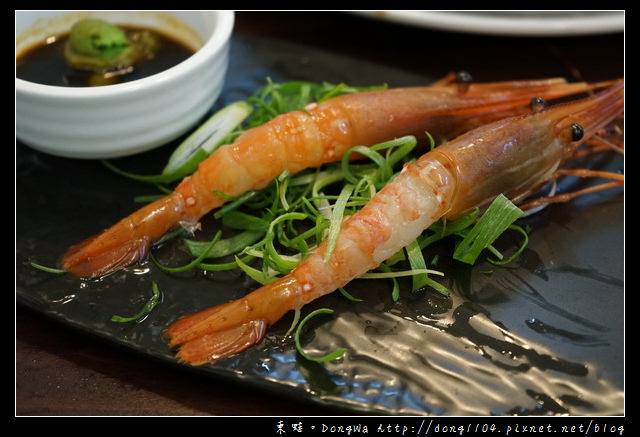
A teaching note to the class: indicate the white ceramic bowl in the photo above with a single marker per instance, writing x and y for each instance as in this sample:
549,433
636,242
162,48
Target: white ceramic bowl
118,120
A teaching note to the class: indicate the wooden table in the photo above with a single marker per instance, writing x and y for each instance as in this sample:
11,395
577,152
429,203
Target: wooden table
60,371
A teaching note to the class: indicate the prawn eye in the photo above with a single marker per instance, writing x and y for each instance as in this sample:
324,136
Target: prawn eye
537,104
463,79
577,132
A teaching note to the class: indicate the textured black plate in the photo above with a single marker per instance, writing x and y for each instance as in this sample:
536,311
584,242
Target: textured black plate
542,336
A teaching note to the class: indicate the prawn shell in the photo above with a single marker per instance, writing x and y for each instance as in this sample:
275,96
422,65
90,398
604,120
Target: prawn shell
505,157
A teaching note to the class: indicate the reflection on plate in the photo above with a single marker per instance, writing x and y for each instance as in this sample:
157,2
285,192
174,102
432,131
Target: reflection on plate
525,23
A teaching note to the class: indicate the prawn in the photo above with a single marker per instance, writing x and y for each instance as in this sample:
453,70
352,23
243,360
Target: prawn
321,133
513,156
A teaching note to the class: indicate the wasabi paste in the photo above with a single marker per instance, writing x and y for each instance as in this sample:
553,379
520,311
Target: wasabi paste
100,46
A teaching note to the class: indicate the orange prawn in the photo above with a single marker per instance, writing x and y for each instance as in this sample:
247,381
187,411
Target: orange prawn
513,156
302,139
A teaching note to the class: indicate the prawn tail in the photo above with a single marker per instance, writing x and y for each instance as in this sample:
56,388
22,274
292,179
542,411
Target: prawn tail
86,260
124,243
222,344
229,328
204,337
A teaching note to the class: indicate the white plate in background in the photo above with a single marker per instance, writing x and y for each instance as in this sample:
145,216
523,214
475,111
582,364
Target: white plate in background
524,23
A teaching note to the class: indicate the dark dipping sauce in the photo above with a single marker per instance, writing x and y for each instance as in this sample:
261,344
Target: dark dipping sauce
45,63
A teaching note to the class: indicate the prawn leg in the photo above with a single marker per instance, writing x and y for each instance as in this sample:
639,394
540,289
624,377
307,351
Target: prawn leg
303,139
507,157
616,180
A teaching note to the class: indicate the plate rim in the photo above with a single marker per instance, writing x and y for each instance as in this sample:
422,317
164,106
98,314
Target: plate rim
598,22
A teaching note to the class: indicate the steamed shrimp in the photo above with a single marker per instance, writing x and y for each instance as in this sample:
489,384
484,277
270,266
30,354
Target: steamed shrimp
297,140
512,156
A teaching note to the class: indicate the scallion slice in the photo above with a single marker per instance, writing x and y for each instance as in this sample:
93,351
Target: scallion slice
330,356
48,269
204,140
496,219
337,216
225,246
417,262
155,299
255,274
517,253
196,147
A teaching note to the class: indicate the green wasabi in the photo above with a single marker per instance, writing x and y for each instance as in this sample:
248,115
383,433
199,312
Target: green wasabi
100,47
98,39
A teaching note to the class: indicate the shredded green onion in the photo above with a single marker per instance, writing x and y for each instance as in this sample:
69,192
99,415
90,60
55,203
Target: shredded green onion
336,220
417,262
194,262
348,295
48,269
517,253
395,289
330,356
296,319
155,299
253,273
223,247
498,217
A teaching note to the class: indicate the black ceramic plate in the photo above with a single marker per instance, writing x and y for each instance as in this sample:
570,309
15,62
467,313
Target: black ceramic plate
541,336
